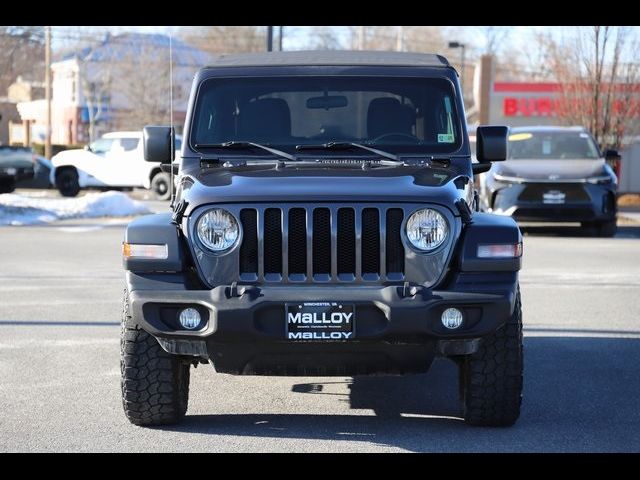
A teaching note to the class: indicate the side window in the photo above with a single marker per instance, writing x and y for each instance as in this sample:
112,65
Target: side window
102,145
129,144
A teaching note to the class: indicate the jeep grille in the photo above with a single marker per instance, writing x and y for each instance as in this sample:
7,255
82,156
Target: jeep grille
321,244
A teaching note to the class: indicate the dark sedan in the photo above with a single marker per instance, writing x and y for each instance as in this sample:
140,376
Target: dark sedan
16,164
554,174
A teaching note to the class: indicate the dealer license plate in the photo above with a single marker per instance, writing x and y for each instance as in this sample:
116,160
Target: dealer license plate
320,321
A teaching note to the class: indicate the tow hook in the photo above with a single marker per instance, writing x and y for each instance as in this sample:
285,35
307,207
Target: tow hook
408,291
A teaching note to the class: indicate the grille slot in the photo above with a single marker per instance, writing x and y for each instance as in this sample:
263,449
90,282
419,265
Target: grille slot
346,245
535,192
321,244
297,241
321,241
370,241
249,247
272,241
395,249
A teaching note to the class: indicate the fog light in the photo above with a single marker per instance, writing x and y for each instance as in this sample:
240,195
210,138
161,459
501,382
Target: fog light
452,318
189,318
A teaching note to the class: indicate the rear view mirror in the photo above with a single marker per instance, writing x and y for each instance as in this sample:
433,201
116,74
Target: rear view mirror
491,143
158,144
327,102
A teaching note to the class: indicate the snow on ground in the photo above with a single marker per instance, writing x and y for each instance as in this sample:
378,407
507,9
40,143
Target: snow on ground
29,210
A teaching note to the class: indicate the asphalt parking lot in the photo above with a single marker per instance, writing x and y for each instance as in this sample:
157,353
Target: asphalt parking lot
60,301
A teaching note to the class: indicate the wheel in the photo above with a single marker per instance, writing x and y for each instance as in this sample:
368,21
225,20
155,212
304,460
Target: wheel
7,187
160,184
491,378
67,182
155,384
607,229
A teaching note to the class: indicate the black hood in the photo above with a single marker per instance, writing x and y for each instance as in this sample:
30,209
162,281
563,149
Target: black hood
298,185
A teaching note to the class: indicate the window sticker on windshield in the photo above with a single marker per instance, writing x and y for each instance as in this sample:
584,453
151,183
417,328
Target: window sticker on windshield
546,147
446,138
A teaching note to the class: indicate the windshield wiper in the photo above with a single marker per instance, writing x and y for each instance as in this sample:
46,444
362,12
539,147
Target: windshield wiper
243,145
349,146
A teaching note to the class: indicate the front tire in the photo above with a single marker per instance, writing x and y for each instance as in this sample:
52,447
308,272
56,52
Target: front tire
491,378
155,384
7,187
161,186
607,229
67,182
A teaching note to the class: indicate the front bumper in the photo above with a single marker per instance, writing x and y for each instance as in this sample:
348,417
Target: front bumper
580,202
15,175
398,330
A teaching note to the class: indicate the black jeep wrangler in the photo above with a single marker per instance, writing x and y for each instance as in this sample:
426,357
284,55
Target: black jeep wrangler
325,223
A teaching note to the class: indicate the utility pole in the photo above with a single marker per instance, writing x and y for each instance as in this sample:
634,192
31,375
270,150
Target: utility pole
400,39
280,38
360,38
270,39
47,81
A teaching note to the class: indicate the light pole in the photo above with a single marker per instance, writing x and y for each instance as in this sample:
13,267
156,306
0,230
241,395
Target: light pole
270,39
462,47
47,82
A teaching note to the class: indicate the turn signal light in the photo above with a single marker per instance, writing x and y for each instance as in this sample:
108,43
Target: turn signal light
500,251
139,250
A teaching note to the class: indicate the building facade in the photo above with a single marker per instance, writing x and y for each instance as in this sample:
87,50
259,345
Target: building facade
120,84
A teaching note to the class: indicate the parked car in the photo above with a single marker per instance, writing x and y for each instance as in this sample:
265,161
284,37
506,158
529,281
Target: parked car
41,174
554,174
16,164
323,225
113,161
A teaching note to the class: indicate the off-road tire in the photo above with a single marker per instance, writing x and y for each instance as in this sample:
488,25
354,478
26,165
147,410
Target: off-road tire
155,384
7,187
607,229
161,185
491,378
67,182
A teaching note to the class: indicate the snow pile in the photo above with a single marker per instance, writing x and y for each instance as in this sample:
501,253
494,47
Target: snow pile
27,210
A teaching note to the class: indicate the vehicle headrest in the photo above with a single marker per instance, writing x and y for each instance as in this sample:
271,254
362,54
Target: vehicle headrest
388,115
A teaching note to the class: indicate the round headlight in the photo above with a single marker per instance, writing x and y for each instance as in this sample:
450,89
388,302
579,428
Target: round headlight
427,229
218,230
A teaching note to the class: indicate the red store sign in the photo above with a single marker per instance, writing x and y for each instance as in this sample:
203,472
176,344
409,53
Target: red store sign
542,100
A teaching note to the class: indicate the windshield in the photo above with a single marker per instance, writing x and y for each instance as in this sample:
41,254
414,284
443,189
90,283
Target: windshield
416,115
102,145
552,145
13,154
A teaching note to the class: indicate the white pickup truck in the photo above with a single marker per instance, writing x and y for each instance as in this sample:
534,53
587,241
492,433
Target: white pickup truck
114,160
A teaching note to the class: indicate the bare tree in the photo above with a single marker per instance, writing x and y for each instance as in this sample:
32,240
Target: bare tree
144,84
596,85
96,83
324,38
21,53
225,39
494,38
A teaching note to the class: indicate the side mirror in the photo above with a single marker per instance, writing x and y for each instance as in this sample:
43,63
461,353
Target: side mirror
491,143
158,144
612,155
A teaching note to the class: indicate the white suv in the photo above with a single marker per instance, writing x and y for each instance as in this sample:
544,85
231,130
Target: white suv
114,160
